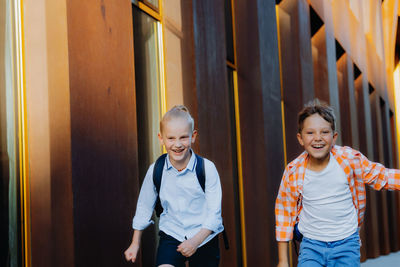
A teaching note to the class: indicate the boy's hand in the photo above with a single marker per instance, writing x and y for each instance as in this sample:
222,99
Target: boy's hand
131,252
188,247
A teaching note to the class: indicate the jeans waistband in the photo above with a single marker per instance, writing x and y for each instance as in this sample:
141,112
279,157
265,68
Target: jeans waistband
354,236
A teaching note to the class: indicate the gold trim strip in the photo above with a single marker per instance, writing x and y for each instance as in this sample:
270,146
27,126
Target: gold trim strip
230,65
240,169
149,11
163,81
22,134
162,61
150,5
238,140
396,82
161,69
281,80
282,111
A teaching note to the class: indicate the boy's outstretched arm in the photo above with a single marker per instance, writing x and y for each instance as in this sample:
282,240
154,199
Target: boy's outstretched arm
188,247
283,254
132,251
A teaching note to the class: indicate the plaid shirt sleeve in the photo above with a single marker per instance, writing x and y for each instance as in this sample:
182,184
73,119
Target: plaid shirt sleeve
377,176
286,208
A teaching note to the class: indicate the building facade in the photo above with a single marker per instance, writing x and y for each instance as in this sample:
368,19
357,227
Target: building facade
85,83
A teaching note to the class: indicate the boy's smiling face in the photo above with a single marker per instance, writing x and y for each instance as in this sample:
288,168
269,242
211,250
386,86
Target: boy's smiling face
317,138
177,137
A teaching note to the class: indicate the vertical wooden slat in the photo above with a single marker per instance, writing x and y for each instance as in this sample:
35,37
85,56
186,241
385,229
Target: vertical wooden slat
371,215
359,97
319,53
388,162
261,125
213,111
349,129
343,84
48,112
381,196
60,129
395,195
103,129
297,63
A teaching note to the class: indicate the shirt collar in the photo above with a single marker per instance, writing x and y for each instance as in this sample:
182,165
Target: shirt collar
190,166
303,158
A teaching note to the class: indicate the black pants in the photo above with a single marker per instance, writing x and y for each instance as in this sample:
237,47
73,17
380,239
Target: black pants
205,256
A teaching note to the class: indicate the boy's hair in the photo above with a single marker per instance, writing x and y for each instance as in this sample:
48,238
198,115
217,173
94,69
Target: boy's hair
178,111
317,107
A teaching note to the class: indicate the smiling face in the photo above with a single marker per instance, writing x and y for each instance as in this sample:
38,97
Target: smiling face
177,137
317,137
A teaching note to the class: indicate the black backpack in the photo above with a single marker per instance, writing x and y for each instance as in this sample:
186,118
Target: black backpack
201,177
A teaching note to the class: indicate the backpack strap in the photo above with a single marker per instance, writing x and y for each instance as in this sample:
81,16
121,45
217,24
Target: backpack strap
157,175
201,177
200,172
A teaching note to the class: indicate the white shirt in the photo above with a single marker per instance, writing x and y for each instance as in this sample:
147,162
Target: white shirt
187,208
328,212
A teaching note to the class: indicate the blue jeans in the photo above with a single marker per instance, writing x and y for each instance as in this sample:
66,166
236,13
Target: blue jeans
340,253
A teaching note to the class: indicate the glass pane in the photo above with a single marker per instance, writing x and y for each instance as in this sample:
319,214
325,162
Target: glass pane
229,32
152,3
147,78
9,193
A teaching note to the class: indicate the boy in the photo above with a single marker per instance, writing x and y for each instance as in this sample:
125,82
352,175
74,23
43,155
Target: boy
323,191
191,218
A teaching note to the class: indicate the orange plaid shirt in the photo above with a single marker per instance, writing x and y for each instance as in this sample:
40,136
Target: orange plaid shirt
359,171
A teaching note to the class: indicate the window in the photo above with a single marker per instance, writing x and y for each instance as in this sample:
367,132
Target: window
149,80
14,218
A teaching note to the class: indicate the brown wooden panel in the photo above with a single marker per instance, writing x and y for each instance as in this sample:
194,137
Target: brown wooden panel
388,162
319,53
359,96
213,112
344,100
48,111
261,125
371,215
368,144
188,62
381,196
60,152
384,158
296,63
103,129
371,225
394,141
395,195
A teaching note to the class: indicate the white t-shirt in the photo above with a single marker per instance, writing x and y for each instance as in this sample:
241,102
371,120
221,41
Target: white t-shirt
328,212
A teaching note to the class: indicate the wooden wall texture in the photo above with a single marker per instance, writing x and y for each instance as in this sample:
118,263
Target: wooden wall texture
281,65
103,129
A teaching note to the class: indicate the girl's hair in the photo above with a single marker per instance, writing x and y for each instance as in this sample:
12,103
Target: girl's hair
317,107
178,111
